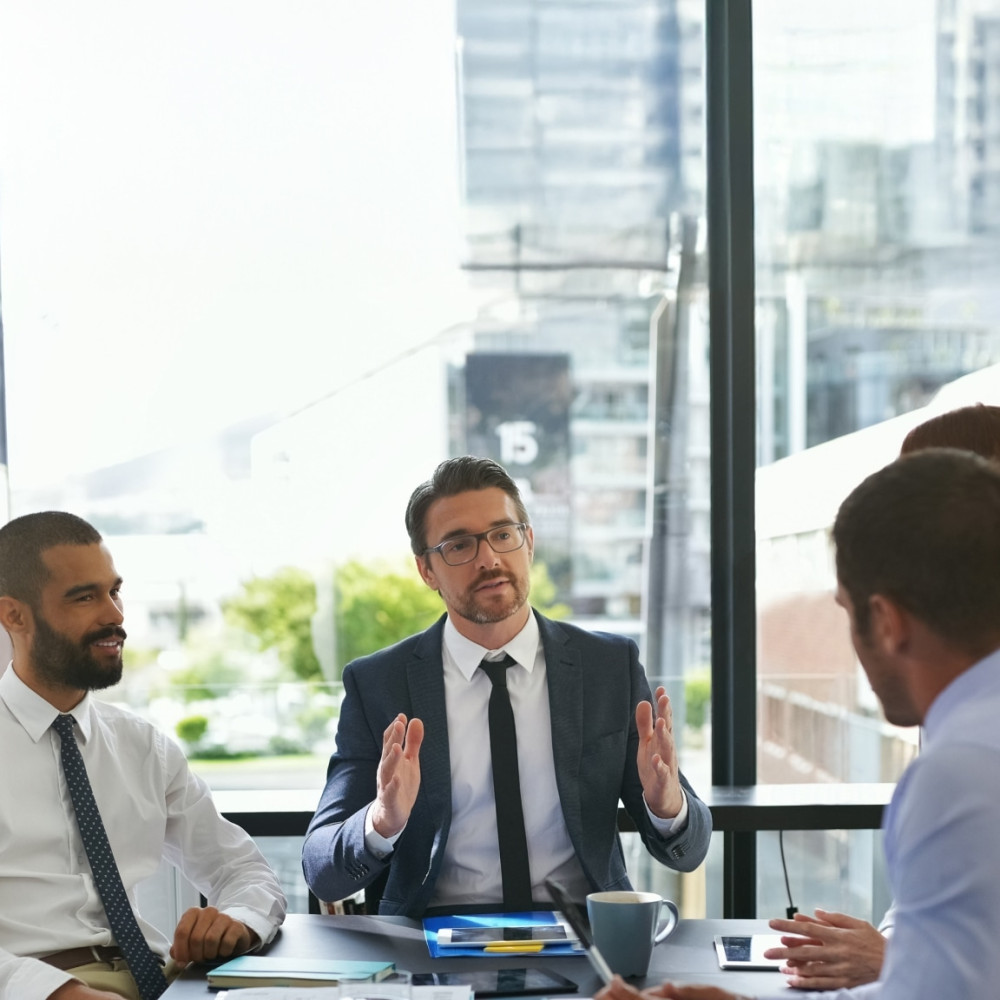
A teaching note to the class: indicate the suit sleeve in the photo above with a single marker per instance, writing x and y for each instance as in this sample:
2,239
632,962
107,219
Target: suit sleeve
335,861
685,849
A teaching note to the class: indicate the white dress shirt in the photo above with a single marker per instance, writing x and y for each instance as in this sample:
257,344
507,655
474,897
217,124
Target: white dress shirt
153,808
470,871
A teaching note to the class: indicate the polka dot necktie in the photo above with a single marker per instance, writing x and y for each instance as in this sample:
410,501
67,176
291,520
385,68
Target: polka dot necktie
507,790
143,964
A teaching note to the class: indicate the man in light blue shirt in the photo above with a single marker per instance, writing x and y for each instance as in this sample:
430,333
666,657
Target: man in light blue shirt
918,570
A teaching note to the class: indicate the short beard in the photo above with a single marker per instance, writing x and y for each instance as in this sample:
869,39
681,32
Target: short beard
63,662
478,615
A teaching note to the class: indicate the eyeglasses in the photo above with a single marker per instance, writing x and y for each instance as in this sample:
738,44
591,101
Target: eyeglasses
464,548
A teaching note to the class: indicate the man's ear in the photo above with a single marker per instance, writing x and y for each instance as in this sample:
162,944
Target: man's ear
890,624
15,615
425,571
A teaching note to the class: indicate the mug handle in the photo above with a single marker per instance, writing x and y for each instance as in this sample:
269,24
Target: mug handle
667,929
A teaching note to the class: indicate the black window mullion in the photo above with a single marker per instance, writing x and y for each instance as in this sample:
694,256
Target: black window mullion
730,194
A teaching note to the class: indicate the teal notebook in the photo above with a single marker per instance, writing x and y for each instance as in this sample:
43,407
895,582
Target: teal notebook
260,970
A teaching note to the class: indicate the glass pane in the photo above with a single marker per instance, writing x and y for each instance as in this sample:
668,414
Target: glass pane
841,870
256,285
876,283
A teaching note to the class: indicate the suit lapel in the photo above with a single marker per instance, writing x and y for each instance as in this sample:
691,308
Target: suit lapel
425,679
564,679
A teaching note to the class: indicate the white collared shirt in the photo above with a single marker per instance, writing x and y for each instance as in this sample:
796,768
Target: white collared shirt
153,808
470,871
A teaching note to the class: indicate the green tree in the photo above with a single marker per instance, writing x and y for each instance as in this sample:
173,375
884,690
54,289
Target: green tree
192,729
209,675
377,605
278,611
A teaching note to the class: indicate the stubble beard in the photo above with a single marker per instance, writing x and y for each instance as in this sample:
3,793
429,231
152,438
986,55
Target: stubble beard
490,614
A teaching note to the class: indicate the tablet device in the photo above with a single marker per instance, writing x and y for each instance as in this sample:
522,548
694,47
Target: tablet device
474,937
747,951
500,982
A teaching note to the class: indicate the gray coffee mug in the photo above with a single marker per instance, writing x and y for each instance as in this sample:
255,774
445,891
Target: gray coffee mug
624,926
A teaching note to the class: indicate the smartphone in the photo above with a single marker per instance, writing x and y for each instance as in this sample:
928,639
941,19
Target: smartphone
747,951
500,982
474,937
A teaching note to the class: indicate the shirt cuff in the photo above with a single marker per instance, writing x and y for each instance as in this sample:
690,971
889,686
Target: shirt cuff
264,927
666,827
380,846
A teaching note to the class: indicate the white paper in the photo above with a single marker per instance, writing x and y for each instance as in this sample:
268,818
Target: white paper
374,990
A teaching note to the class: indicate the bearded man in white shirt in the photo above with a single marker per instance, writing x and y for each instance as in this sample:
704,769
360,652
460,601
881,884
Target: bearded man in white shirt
61,605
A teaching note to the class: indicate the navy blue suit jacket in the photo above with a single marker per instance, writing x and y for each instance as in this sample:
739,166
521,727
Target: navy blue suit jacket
595,681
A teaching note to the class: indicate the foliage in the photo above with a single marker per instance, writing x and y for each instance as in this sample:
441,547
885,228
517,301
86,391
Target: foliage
284,746
313,721
697,697
137,657
218,752
211,676
377,605
192,729
278,611
543,593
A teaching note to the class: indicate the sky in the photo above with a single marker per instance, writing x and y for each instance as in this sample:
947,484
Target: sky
210,210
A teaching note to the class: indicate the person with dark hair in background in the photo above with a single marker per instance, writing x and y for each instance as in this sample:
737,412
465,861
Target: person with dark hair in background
917,551
413,805
93,798
973,428
830,950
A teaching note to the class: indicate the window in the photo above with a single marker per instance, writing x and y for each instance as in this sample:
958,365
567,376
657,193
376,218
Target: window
264,267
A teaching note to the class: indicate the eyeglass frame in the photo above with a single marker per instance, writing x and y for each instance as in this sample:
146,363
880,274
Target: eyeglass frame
480,537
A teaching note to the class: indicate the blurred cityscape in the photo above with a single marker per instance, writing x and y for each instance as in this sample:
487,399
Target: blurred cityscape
582,166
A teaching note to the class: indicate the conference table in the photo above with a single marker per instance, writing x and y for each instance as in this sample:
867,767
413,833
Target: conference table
687,956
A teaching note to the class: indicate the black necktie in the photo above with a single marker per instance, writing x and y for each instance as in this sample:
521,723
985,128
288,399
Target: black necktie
507,790
143,964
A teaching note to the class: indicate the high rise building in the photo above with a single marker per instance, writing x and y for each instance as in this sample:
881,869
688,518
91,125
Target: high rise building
581,134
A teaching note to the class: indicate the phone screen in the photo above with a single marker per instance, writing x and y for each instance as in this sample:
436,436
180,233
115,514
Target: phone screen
500,982
747,951
485,935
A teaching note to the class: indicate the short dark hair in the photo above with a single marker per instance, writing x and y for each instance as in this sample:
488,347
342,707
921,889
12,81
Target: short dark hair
972,428
925,532
23,574
453,476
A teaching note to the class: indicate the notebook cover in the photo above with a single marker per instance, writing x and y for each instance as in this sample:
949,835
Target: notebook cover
261,970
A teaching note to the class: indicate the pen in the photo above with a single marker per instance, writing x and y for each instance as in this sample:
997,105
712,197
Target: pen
517,946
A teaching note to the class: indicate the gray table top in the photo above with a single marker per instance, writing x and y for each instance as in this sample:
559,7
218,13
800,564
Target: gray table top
687,956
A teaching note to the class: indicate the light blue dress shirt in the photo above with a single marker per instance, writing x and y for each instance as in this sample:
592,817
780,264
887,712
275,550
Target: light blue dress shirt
942,843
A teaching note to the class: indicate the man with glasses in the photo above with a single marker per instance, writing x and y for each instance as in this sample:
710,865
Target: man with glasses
416,808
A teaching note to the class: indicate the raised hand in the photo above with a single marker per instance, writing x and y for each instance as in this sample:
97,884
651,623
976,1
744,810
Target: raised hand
398,777
657,759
